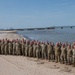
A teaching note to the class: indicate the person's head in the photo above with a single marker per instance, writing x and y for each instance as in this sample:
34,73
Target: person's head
57,44
63,45
69,46
74,46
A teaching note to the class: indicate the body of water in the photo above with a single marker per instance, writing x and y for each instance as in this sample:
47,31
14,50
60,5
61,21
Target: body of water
52,35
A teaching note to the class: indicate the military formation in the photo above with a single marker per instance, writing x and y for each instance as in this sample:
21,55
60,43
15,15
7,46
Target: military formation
62,53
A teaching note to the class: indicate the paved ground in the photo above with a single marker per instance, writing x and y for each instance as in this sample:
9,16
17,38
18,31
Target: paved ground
19,65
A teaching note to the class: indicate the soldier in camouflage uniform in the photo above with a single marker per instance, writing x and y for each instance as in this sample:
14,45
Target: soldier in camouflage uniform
57,53
72,46
23,47
30,52
2,46
20,47
63,54
17,48
44,51
14,47
50,52
6,47
10,48
66,44
69,55
34,49
38,50
27,48
73,55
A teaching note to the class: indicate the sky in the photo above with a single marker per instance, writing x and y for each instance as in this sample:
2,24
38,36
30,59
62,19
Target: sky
36,13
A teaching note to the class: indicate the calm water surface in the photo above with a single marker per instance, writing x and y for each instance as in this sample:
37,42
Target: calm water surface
52,35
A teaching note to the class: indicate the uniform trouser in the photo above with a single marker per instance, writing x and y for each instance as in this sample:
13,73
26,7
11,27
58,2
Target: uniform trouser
38,55
23,53
14,51
57,58
2,50
18,52
26,52
64,59
50,56
22,50
34,53
5,51
10,51
44,55
69,60
74,61
30,53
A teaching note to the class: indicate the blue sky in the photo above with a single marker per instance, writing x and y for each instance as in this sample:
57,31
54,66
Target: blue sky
36,13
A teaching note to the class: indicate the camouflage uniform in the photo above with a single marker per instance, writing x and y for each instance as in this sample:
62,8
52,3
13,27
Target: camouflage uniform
20,47
30,52
50,52
26,49
14,48
69,55
10,48
17,48
23,48
44,51
34,50
6,47
63,55
74,57
2,47
57,53
38,51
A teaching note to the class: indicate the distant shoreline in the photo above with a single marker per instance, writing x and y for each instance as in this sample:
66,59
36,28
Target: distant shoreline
11,34
8,31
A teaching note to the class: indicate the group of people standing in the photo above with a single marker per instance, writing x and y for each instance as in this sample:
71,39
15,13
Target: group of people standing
63,53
